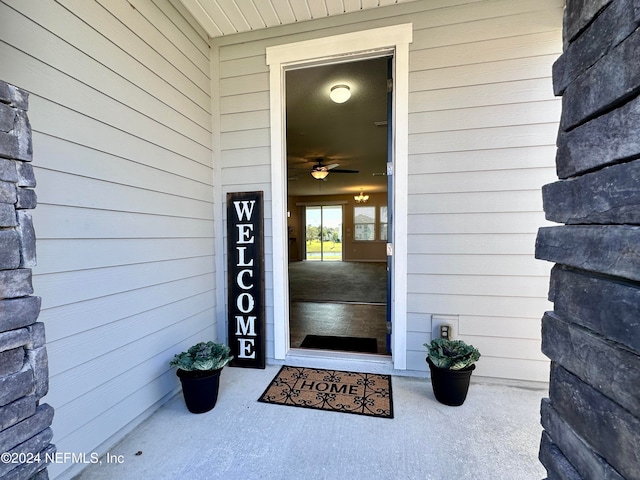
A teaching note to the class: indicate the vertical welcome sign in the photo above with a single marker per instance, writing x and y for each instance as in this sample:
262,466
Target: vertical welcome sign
245,266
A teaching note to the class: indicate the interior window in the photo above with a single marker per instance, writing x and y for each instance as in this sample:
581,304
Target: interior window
364,220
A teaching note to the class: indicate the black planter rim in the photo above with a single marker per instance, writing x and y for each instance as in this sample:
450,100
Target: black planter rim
470,368
196,374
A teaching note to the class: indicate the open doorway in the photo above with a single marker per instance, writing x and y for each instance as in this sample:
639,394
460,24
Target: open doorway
337,196
391,40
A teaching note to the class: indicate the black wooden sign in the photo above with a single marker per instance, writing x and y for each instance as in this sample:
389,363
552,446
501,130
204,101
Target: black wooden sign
245,266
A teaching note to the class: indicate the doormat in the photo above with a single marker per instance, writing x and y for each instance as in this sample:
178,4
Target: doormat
347,344
334,390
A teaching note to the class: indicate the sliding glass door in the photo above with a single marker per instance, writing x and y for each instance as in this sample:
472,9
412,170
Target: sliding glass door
323,233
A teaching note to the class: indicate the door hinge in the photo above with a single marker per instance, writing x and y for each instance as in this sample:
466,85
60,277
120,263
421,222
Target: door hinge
389,328
389,169
389,85
389,249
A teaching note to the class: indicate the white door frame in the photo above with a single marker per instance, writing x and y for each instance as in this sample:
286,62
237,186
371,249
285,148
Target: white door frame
362,44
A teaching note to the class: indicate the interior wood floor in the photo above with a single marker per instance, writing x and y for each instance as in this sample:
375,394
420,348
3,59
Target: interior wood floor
339,319
339,299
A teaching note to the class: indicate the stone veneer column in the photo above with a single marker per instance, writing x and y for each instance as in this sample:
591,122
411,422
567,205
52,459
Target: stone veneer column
591,419
24,377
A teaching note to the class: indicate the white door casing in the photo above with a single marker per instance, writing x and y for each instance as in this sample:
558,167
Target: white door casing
339,48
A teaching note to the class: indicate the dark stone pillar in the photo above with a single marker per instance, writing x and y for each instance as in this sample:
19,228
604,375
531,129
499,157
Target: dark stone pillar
25,432
592,416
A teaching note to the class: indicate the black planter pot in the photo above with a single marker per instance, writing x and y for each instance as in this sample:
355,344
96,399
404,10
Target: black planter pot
200,389
450,386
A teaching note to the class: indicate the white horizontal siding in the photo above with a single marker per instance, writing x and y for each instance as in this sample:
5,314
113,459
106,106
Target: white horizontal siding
234,122
481,73
71,319
513,368
60,88
111,20
484,117
74,191
493,49
499,327
138,172
504,285
65,35
482,138
476,265
475,305
97,135
87,223
244,145
238,67
472,244
245,139
483,123
122,134
491,223
108,338
450,24
519,178
468,96
477,202
243,84
101,252
484,160
70,287
476,325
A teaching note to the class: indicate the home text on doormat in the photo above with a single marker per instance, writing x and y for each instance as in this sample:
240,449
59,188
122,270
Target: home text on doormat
348,392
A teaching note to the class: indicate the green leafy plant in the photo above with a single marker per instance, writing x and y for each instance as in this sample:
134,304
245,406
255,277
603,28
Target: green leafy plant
452,354
203,357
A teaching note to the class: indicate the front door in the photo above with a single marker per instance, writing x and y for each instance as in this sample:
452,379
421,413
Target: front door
388,211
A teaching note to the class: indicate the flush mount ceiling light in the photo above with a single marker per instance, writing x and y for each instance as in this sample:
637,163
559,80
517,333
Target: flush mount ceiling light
340,93
362,198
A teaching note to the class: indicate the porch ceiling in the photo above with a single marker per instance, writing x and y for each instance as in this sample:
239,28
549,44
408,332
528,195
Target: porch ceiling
226,17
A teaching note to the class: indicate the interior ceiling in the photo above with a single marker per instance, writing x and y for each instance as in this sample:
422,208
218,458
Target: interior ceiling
352,134
226,17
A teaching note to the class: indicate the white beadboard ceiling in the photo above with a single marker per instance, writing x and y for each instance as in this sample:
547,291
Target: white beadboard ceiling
226,17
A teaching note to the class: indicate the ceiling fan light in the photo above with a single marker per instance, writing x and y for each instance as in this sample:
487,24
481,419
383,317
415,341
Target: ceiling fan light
340,93
319,174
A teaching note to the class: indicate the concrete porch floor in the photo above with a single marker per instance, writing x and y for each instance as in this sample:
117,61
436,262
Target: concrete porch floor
494,435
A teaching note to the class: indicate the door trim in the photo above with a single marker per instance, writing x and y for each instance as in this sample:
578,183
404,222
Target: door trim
346,47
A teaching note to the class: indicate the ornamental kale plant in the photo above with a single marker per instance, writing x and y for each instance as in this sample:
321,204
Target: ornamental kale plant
452,354
203,356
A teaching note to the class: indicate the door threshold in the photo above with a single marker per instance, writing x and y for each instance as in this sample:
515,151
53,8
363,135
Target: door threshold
335,360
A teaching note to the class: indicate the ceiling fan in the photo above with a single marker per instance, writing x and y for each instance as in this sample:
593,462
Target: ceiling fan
320,171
